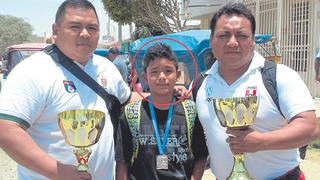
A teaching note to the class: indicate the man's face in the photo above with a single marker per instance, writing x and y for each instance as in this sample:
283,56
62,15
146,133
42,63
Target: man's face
77,33
161,76
233,42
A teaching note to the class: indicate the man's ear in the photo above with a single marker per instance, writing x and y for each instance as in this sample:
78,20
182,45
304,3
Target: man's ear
54,30
144,77
211,39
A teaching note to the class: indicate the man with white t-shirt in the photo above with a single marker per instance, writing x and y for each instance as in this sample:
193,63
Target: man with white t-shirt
39,88
271,143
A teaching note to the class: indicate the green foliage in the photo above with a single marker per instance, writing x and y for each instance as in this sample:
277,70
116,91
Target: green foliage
13,30
119,10
151,17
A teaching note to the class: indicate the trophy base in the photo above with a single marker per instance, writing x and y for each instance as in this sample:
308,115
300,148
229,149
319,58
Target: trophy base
240,176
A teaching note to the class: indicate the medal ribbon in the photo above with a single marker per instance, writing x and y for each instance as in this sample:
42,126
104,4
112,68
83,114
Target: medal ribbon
161,146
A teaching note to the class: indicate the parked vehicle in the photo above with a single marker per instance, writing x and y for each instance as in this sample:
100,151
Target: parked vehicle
17,53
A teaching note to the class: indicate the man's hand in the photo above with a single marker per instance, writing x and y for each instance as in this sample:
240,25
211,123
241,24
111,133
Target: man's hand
244,140
180,91
70,172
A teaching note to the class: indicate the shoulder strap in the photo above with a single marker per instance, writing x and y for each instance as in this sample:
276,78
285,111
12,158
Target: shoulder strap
132,113
112,102
269,77
190,114
198,82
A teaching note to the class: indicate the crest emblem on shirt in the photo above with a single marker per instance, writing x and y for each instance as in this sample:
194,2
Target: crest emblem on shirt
251,91
104,81
209,93
69,86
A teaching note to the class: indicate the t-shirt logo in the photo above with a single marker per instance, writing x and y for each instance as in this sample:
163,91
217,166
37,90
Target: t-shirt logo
251,91
104,81
69,86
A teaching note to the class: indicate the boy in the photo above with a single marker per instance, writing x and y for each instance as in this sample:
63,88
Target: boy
160,139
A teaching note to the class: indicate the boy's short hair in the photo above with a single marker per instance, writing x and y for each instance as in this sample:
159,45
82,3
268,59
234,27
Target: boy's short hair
159,50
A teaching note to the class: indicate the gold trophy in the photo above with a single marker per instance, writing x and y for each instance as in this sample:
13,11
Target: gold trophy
81,129
239,113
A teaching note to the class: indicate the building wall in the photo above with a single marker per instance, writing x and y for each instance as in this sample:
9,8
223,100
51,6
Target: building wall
295,24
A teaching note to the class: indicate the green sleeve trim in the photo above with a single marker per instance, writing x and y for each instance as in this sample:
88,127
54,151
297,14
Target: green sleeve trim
15,119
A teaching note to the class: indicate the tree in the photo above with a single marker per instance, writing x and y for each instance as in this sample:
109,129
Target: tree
13,30
152,17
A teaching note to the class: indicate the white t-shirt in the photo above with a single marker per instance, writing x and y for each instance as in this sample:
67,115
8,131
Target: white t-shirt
294,98
38,89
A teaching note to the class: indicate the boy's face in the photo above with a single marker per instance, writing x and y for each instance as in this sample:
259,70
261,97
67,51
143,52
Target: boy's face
161,76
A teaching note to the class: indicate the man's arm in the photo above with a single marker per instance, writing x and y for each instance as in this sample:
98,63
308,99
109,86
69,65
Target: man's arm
121,170
198,169
199,149
17,143
300,131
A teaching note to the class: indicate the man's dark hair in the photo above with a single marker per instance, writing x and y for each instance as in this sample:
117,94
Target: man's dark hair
159,50
114,50
230,9
84,4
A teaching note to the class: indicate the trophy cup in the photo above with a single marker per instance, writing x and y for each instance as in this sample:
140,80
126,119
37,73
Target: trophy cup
81,129
239,113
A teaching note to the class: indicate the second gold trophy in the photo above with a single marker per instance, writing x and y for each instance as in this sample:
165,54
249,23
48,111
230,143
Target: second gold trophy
237,112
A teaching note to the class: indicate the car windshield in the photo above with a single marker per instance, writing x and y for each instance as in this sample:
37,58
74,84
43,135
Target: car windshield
27,53
17,56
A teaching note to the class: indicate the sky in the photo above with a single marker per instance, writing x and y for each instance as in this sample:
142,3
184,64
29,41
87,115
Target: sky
40,14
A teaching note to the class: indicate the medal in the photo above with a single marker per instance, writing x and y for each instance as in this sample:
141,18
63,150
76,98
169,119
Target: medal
162,162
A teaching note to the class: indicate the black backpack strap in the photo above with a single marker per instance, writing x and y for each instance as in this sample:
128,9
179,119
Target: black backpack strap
112,102
269,77
198,82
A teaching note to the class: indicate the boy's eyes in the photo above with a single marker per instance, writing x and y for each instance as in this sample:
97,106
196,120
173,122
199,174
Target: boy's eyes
166,71
154,72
